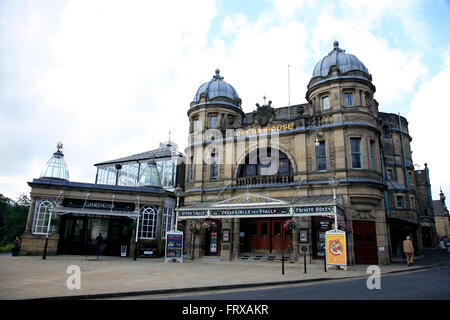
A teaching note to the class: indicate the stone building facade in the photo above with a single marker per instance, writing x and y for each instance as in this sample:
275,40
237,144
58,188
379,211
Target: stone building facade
131,195
441,216
248,174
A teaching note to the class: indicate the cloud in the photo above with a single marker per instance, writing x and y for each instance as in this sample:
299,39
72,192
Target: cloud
111,79
429,128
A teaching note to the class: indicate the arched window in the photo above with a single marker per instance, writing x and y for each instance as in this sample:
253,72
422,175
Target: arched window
167,222
385,131
148,223
261,162
41,216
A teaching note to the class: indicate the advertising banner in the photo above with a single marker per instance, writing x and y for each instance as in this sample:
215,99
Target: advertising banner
336,248
174,246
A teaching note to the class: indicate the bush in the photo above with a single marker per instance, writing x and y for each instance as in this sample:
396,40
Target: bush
7,248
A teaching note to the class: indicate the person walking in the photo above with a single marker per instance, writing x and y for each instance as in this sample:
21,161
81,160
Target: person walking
442,244
408,249
98,244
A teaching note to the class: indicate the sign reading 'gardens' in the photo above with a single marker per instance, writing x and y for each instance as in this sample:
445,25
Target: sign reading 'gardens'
99,205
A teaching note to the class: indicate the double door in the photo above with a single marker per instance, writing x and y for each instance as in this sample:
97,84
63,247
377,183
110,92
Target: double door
268,235
365,242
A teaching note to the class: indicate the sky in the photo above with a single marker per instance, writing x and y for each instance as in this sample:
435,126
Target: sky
112,78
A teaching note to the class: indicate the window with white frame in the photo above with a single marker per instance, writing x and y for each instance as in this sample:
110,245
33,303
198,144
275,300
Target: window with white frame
348,99
412,203
149,222
400,202
41,216
167,222
325,103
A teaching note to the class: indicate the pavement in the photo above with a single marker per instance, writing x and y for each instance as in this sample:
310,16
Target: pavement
30,277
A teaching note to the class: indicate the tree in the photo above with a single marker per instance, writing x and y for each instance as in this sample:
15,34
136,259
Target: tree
13,217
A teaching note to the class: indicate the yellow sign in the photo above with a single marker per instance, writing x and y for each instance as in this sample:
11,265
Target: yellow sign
336,248
267,129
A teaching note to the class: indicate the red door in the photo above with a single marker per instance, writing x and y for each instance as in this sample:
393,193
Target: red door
259,235
264,241
365,242
281,239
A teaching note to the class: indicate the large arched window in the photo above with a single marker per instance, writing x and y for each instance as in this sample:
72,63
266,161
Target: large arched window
148,223
264,162
41,216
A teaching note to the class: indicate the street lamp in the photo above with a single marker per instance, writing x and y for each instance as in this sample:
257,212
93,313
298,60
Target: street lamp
178,193
136,243
334,183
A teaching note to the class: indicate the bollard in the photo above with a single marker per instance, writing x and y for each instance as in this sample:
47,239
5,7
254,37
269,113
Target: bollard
304,249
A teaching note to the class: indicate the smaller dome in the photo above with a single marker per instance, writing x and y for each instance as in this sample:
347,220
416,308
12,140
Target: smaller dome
217,87
56,167
337,57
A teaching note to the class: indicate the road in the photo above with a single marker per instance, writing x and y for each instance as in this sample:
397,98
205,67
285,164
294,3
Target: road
428,284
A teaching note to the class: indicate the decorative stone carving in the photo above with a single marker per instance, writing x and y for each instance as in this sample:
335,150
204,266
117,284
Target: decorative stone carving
363,214
263,114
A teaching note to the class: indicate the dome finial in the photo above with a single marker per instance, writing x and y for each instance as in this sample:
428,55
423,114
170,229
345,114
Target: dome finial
217,75
59,147
336,44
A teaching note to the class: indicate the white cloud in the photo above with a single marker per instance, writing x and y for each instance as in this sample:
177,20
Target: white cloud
111,79
428,124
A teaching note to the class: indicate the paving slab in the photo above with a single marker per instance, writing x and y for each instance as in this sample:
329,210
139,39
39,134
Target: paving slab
30,277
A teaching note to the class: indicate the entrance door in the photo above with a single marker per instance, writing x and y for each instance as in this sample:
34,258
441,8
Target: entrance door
426,236
73,235
258,231
118,235
281,240
320,226
365,242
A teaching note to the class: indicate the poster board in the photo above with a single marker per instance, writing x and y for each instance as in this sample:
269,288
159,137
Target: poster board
174,246
336,248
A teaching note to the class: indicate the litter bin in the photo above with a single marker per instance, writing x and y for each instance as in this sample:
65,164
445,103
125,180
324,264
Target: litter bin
15,251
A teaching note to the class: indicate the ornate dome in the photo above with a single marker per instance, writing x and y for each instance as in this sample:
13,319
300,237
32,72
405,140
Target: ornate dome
56,167
337,57
217,87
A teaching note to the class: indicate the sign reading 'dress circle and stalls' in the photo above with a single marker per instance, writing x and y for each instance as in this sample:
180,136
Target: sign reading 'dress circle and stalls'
250,212
99,205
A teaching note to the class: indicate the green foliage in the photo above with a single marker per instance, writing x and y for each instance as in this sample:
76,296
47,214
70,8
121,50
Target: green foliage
13,217
7,248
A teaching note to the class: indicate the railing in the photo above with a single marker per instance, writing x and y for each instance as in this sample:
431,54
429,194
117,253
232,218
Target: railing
257,180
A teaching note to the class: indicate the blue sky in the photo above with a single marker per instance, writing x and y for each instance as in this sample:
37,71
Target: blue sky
111,78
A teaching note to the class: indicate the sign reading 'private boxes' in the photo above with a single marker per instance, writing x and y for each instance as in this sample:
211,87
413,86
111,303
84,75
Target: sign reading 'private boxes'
313,210
336,248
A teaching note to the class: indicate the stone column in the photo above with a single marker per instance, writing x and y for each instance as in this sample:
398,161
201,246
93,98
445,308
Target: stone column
363,99
236,238
225,252
30,218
